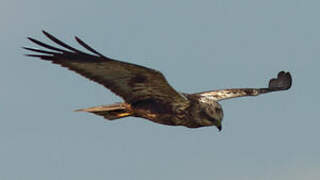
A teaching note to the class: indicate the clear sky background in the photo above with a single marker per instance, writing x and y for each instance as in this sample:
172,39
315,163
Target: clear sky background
198,45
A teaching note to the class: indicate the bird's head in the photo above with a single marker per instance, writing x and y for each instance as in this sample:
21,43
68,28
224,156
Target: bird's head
213,114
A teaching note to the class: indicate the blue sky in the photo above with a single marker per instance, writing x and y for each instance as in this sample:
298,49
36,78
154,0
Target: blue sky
199,46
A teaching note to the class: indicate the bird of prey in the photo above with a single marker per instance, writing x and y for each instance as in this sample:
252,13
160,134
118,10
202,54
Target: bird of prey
145,91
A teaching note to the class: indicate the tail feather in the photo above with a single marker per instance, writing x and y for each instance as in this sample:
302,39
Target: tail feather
110,112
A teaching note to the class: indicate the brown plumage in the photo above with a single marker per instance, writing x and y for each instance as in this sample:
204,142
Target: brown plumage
146,92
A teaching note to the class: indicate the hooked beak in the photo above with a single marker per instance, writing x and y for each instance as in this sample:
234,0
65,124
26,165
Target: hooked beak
219,128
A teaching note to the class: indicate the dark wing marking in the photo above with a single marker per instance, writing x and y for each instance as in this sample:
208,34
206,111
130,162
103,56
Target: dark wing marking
132,82
282,82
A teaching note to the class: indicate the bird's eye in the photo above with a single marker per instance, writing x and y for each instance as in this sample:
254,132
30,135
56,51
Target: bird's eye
218,110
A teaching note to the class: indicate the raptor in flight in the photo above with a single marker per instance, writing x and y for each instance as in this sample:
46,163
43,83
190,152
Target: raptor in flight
145,91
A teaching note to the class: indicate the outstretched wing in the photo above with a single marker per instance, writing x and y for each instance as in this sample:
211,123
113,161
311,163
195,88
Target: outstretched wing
132,82
282,82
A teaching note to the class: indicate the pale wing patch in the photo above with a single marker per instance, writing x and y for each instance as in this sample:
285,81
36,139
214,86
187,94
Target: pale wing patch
282,82
229,93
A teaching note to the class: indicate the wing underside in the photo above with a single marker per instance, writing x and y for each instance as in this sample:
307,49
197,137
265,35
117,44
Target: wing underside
282,82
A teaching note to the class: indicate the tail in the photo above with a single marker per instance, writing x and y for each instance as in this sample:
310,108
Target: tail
110,112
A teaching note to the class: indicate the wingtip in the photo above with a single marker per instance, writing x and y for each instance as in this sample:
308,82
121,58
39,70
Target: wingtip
27,48
33,55
48,35
77,38
44,32
86,46
31,39
287,76
282,82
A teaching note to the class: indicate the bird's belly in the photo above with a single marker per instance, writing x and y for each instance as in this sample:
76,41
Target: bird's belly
168,119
